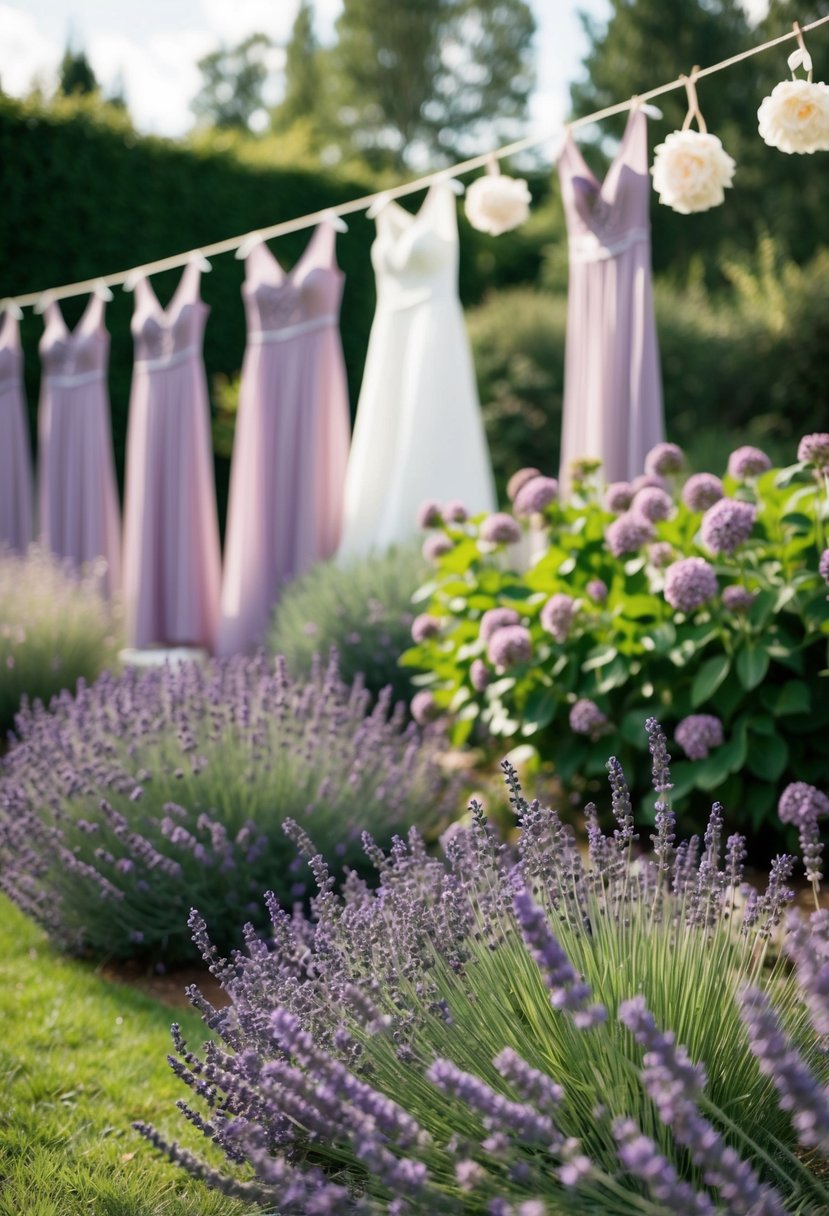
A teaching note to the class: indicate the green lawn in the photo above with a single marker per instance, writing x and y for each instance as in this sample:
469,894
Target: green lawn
80,1058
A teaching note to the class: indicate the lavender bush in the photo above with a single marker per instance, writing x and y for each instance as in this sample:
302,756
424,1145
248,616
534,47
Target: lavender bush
556,1034
167,787
54,629
682,597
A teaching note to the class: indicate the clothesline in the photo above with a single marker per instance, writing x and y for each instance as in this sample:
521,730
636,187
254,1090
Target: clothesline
365,201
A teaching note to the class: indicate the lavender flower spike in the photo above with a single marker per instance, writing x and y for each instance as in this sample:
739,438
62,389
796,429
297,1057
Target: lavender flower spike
807,945
567,990
640,1157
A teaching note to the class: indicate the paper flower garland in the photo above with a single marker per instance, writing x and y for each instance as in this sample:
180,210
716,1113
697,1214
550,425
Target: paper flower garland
795,117
496,203
691,169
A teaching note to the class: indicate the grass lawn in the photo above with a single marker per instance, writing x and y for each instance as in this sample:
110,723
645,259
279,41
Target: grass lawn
80,1058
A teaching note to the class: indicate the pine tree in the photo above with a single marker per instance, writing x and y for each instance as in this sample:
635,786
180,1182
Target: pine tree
303,79
75,74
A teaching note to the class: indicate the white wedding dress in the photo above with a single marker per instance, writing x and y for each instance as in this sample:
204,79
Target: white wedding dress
418,433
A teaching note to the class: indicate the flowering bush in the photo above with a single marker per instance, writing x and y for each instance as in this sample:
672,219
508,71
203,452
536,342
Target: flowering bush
560,1035
711,604
54,629
166,788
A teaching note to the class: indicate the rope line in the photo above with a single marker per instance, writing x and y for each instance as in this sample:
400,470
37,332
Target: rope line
365,201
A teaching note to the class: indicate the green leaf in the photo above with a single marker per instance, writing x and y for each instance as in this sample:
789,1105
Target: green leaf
538,712
729,758
599,658
637,606
768,757
708,679
615,675
752,665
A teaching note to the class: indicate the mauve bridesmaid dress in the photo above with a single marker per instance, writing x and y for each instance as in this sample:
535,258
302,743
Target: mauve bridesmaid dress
15,454
612,386
78,499
171,534
292,436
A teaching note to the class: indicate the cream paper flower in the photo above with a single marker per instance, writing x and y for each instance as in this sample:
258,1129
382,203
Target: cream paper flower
496,203
691,170
795,118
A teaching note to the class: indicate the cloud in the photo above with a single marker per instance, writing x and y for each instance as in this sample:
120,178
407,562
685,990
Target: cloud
25,52
232,23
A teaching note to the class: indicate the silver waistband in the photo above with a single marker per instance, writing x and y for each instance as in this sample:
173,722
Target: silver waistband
261,336
72,381
178,356
591,248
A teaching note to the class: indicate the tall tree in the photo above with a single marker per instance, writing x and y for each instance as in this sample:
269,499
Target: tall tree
233,84
75,74
430,79
303,78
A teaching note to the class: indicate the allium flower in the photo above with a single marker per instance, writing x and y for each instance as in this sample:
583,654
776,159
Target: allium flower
518,479
814,449
618,496
587,719
653,504
435,546
738,599
689,583
643,480
535,495
747,462
424,626
478,675
500,529
429,515
697,734
727,525
424,708
691,171
795,117
496,203
664,458
800,803
510,646
454,512
823,565
628,533
660,554
495,619
597,590
701,491
557,616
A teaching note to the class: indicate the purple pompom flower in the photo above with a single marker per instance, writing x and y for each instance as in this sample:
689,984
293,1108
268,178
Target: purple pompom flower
648,479
597,590
424,708
737,598
429,515
495,619
557,616
653,504
664,458
628,533
520,479
697,734
510,646
618,496
727,525
747,462
701,491
814,449
587,719
535,495
435,546
478,675
454,512
660,554
801,803
690,583
500,529
823,566
425,626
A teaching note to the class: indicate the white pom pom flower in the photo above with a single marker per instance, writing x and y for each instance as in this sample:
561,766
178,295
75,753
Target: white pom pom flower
496,203
795,117
691,171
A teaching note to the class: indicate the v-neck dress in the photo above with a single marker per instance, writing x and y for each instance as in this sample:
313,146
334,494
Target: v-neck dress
77,495
16,493
292,436
172,564
612,384
418,432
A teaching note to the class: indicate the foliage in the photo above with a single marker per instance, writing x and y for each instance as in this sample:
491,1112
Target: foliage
233,84
76,1053
76,74
364,609
55,629
166,787
469,1038
634,613
304,78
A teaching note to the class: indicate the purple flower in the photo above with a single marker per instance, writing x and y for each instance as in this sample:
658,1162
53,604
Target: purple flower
697,734
814,449
701,491
823,566
424,708
627,534
424,627
648,479
520,479
435,546
478,675
618,496
737,598
557,616
597,590
690,583
535,495
660,554
510,646
641,1157
664,458
454,512
727,525
495,619
653,504
587,719
567,989
800,803
500,529
747,462
429,515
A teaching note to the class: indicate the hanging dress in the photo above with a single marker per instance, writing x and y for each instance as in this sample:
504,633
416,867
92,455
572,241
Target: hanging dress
418,432
171,533
292,436
15,455
77,495
612,388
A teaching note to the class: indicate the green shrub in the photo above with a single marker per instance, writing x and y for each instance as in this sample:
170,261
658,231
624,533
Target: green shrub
364,609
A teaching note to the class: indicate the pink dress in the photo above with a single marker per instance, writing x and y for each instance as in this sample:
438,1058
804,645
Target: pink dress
77,497
15,454
171,533
292,436
612,388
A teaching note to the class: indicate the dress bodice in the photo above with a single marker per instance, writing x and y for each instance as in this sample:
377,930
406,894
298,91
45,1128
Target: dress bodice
306,297
415,257
11,354
168,335
80,352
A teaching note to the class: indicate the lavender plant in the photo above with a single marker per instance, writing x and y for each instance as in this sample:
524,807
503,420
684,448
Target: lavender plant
54,629
523,1037
160,789
702,600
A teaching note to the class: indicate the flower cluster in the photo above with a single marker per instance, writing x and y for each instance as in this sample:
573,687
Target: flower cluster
746,462
691,171
697,734
814,449
795,117
496,203
727,525
690,583
557,616
701,491
587,719
535,495
628,533
509,646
